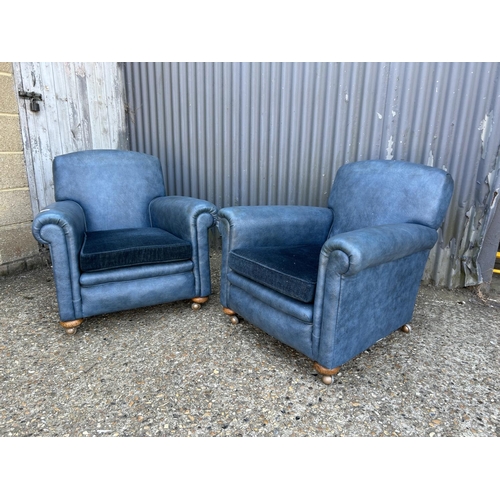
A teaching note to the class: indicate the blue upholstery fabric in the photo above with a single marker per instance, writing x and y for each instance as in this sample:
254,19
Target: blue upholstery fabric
61,226
113,187
291,270
135,273
262,226
119,296
281,326
131,247
353,312
371,246
189,219
374,240
280,302
378,192
141,247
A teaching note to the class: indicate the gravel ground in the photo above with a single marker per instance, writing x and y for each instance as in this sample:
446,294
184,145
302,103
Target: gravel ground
170,371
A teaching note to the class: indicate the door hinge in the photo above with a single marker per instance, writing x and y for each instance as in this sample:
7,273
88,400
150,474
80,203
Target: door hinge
33,97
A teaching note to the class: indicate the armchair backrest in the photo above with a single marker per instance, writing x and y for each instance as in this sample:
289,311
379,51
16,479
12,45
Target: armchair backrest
113,187
376,192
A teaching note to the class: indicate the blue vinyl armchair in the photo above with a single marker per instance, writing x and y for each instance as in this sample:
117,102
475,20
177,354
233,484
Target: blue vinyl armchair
116,241
330,282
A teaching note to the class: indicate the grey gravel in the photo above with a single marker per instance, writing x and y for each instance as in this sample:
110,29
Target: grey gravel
170,371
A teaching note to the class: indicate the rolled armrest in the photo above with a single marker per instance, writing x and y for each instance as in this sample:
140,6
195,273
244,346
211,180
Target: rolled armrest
189,219
62,226
274,225
66,215
182,215
357,250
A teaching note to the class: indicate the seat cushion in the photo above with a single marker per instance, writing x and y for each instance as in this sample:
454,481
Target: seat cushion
292,271
131,247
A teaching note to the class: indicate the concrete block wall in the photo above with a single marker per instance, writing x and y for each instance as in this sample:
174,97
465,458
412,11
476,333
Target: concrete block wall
18,249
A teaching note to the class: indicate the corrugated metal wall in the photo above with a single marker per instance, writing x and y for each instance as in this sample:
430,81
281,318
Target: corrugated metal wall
276,133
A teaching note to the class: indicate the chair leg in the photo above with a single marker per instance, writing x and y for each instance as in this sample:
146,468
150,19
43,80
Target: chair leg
71,326
327,373
197,301
406,328
232,315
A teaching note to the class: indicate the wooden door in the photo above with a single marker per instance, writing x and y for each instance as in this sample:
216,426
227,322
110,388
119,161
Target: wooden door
82,107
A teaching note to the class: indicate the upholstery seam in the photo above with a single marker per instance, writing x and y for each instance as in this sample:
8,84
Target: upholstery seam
137,279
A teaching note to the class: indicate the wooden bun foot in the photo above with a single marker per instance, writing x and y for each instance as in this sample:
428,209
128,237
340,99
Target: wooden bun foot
326,373
71,326
232,315
196,303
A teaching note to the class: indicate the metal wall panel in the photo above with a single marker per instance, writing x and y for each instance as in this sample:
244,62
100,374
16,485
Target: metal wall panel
276,133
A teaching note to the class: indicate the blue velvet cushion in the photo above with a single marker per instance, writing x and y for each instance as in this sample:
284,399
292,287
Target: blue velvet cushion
292,271
131,247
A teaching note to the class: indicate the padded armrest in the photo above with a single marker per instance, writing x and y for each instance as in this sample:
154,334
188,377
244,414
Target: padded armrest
68,216
275,225
189,219
62,226
357,250
181,215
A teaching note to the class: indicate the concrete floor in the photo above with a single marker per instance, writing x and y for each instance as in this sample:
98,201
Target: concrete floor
170,371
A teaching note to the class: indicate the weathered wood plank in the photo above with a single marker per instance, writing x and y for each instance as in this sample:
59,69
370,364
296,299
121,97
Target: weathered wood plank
83,108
